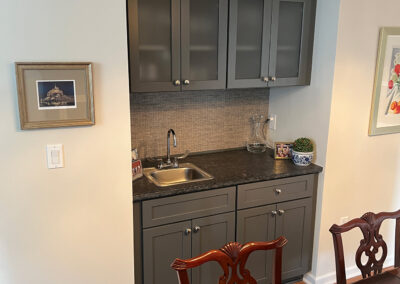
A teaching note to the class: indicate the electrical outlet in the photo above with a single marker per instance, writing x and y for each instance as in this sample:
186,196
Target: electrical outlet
344,220
272,121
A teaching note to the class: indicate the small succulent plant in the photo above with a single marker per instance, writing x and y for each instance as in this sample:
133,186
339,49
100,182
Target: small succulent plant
303,145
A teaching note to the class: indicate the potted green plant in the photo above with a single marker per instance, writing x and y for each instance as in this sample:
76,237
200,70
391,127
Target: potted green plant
303,151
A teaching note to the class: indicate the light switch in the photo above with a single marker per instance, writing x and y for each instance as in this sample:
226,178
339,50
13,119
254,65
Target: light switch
55,156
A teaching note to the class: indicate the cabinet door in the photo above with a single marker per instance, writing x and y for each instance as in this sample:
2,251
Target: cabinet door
291,42
161,245
249,43
204,27
154,45
294,222
257,224
210,233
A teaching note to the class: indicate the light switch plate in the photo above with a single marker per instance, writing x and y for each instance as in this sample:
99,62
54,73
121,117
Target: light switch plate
55,156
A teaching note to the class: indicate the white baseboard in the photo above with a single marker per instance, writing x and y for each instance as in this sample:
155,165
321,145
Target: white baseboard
330,277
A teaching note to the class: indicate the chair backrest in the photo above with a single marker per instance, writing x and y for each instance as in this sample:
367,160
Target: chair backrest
369,225
233,255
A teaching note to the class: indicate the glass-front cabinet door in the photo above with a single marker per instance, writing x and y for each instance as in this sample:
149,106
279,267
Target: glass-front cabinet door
249,43
154,42
291,42
204,26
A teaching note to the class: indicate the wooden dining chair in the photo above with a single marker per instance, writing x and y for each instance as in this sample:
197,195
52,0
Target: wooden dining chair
231,256
369,225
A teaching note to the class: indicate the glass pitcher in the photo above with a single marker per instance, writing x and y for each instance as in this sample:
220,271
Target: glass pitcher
257,142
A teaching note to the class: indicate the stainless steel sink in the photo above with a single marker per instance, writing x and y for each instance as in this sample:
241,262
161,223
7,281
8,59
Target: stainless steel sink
186,173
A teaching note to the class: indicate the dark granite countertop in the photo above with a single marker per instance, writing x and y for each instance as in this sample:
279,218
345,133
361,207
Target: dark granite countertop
228,168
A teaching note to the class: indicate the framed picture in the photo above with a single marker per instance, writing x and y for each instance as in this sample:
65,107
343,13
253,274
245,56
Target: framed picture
54,94
385,108
283,150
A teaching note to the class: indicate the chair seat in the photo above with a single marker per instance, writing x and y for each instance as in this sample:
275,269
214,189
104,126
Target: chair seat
388,277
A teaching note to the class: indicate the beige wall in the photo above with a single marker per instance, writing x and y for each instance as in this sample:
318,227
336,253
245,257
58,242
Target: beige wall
70,225
362,173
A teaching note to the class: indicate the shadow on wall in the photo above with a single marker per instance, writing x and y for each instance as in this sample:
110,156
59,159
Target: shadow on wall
202,120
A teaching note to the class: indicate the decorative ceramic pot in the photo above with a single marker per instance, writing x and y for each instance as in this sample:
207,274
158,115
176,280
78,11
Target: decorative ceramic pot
302,158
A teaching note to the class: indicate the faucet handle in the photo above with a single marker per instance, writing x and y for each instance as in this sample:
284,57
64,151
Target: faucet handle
187,152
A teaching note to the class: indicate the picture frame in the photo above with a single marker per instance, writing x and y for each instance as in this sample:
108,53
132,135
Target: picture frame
385,106
54,94
283,150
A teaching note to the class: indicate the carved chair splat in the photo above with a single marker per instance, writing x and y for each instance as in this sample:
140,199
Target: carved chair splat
231,257
369,225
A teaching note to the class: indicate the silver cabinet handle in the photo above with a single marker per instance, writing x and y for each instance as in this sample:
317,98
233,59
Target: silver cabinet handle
188,231
177,83
281,212
273,213
273,78
186,82
196,229
278,190
265,79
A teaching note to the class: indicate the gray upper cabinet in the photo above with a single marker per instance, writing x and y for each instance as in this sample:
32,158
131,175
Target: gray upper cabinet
270,42
177,44
249,42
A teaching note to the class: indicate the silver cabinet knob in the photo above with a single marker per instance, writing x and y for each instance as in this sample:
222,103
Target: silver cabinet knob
188,231
186,82
278,190
177,83
196,229
281,212
273,213
265,79
273,78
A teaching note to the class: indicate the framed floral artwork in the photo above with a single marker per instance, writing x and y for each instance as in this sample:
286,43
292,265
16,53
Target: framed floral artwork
385,109
54,94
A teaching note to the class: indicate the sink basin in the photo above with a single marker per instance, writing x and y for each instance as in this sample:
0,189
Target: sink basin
186,173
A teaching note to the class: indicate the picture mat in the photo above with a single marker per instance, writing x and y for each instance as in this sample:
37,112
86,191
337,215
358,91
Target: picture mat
383,120
55,83
36,115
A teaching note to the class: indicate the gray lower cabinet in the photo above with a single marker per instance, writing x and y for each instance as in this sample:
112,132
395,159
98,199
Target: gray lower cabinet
257,224
187,225
291,219
209,233
294,222
162,244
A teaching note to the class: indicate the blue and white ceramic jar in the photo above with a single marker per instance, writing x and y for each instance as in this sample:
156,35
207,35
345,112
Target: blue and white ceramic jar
302,158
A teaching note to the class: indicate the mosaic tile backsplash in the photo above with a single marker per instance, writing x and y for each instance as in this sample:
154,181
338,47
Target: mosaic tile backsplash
202,120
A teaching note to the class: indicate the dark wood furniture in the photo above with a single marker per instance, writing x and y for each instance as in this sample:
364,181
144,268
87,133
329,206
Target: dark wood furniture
369,225
233,256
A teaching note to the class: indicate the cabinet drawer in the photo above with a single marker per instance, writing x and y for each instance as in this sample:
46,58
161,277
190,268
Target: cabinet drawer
187,206
267,192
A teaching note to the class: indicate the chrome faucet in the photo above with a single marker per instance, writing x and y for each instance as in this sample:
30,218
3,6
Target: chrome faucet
169,163
168,144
